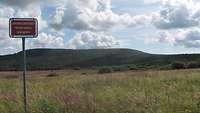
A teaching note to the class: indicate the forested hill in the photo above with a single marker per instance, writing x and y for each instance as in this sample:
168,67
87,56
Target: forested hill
46,59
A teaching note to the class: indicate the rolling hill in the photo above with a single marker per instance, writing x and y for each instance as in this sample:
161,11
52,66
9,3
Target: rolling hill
46,59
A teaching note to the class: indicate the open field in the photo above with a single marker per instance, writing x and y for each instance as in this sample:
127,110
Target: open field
81,92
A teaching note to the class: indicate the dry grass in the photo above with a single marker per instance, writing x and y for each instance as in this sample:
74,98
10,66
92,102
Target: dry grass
126,92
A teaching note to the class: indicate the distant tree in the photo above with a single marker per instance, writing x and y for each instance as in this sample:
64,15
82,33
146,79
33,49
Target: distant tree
117,69
76,68
120,68
193,65
105,70
178,65
84,73
132,68
52,75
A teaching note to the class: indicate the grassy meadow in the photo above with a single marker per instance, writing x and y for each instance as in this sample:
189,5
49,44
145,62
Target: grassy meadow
87,92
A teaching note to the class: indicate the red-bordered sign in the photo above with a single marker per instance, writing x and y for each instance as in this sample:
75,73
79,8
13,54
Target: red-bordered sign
23,28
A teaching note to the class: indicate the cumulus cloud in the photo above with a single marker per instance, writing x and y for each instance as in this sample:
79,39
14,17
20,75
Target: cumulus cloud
8,45
187,38
78,15
45,40
92,15
191,39
26,3
91,40
34,11
152,1
17,3
179,22
93,19
7,11
177,14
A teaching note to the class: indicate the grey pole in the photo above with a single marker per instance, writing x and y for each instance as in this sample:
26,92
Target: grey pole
24,77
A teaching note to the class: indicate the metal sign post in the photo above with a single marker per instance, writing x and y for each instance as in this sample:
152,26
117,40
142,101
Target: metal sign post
22,28
24,75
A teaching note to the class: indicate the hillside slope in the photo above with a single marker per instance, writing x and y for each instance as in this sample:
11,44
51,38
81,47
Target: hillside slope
45,59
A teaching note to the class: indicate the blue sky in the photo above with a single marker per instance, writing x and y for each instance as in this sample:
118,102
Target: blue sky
154,26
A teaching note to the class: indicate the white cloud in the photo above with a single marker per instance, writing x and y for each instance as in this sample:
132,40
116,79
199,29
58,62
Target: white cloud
7,44
94,19
187,38
26,3
179,22
152,1
18,3
45,40
177,14
93,15
91,40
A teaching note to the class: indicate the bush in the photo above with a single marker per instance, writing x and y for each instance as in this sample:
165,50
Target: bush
178,65
47,107
105,70
132,68
117,69
84,73
120,69
193,65
76,68
52,75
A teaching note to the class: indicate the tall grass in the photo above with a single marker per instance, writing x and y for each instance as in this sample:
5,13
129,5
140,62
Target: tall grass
128,92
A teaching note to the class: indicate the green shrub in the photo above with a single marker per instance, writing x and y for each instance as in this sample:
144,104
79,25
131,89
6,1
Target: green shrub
83,73
52,75
47,107
117,69
76,68
193,65
131,68
178,65
105,70
120,69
